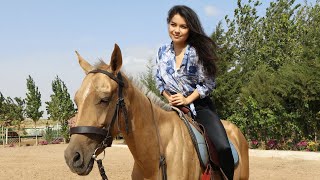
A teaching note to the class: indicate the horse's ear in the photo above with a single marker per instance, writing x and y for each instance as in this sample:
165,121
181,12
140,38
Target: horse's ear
84,64
116,59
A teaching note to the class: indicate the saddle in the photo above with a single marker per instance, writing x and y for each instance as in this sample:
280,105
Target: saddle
205,149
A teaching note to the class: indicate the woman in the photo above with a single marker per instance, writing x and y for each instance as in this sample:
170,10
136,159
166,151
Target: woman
185,76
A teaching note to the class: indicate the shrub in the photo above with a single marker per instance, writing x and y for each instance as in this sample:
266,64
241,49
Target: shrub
57,141
289,145
312,146
49,134
272,144
302,145
255,144
43,142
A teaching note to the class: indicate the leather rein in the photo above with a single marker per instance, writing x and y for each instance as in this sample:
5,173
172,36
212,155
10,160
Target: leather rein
105,132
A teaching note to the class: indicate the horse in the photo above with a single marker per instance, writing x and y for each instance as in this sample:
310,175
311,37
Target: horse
110,103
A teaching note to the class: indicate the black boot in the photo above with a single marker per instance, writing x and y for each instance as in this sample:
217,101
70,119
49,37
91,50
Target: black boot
227,163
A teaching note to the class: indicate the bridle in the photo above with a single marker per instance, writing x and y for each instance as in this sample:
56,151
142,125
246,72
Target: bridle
105,132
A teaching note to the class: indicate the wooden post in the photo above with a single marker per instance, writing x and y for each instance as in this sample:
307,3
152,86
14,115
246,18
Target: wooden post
36,138
35,126
2,135
58,129
6,135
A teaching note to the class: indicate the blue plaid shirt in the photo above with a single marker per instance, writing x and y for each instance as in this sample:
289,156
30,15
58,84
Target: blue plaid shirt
189,77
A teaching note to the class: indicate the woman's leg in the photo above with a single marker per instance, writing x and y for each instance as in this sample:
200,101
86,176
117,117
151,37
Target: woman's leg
218,136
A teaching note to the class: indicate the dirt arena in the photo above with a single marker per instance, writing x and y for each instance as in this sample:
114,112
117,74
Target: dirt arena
47,162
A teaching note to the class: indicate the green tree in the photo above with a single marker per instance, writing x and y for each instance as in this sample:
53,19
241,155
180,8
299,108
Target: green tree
308,18
19,111
299,89
238,56
148,78
9,110
61,107
268,78
14,111
2,106
33,103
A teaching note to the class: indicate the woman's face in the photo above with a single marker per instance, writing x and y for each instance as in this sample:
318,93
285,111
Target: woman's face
178,29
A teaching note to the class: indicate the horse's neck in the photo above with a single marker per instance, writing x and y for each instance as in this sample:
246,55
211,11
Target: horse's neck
143,118
172,141
143,139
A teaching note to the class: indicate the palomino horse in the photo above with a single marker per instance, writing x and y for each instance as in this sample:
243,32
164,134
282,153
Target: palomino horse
109,103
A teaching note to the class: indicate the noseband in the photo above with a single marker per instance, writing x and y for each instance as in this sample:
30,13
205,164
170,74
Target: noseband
105,131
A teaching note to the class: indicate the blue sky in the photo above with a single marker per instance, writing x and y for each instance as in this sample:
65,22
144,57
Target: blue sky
38,37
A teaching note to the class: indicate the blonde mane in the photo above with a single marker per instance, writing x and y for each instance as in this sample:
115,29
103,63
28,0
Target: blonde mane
151,95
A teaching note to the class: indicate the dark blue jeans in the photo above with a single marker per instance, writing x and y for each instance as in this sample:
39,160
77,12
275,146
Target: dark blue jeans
211,122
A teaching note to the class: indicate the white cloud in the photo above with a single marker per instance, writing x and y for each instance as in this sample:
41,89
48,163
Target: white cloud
211,10
135,59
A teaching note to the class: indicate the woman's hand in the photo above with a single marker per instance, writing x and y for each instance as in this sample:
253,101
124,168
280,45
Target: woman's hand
178,100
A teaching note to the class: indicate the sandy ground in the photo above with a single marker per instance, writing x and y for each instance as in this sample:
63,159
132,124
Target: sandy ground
47,162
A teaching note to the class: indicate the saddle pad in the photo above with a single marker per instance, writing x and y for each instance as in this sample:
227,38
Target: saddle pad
203,147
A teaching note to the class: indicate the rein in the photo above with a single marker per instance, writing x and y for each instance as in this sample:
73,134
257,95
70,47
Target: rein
162,160
105,132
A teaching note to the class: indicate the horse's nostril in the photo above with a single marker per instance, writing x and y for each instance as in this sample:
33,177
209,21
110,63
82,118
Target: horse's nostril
76,157
77,162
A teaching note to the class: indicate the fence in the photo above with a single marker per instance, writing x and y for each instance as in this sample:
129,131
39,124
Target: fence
2,135
10,136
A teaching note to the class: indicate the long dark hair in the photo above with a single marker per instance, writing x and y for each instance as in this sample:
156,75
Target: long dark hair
205,46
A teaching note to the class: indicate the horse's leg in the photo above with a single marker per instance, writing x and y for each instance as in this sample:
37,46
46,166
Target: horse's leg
136,172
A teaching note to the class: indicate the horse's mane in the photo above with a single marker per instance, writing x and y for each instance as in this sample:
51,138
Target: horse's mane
139,85
151,95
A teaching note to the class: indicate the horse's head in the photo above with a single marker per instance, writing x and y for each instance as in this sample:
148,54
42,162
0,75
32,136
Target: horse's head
99,99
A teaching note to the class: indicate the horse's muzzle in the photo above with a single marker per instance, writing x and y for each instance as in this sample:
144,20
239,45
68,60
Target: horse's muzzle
77,162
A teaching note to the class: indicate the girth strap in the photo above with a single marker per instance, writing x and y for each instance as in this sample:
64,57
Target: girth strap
163,166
